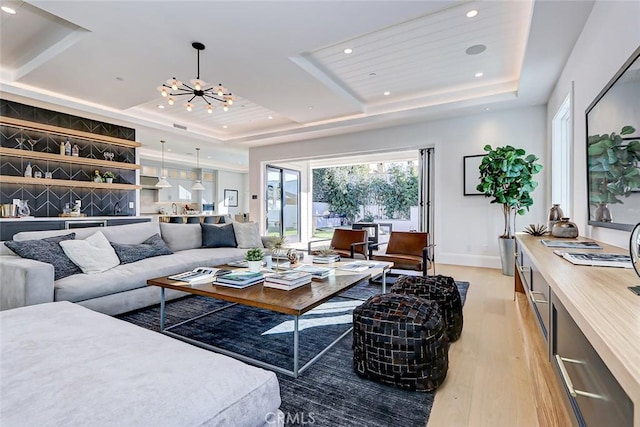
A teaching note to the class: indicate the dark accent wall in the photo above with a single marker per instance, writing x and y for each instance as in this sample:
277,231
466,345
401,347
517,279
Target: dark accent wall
50,201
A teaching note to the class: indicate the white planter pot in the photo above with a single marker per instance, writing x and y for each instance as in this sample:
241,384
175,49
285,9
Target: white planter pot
255,266
109,180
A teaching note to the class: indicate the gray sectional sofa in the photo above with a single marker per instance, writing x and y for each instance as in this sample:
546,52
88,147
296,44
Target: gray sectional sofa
120,289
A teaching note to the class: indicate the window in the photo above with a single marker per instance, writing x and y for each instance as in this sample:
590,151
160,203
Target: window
561,146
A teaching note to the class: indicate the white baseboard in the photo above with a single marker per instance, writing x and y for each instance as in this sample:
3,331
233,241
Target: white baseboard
470,260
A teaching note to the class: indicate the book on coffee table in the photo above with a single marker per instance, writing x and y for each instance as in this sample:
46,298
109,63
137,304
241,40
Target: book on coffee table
328,259
199,275
241,263
361,266
287,280
316,272
240,279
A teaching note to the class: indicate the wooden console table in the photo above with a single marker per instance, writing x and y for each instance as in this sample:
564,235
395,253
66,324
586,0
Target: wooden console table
590,325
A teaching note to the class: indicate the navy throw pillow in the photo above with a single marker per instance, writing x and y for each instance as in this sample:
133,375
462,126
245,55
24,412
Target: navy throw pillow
47,250
218,236
153,246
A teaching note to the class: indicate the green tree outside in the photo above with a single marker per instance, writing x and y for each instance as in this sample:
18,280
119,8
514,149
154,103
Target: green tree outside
348,189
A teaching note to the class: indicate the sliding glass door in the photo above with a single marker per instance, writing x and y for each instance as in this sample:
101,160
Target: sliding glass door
282,203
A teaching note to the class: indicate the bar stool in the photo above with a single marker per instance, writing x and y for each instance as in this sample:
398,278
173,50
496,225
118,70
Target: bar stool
176,220
193,220
210,220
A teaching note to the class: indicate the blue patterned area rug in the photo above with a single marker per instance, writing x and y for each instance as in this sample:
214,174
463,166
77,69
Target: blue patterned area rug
329,393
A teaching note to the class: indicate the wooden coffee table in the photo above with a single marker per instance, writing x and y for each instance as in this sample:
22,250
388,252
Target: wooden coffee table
294,303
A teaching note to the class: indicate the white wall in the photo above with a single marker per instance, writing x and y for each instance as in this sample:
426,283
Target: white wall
465,228
231,181
609,37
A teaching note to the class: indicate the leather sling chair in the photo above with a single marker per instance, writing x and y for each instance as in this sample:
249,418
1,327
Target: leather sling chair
346,243
408,250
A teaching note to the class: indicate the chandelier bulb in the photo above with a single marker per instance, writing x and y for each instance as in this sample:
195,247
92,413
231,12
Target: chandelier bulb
174,86
230,101
189,106
209,109
170,101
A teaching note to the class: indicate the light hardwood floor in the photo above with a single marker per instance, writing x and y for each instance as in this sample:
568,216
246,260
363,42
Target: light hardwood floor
489,382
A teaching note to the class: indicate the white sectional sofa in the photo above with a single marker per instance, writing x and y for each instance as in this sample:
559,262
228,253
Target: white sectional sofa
120,289
65,365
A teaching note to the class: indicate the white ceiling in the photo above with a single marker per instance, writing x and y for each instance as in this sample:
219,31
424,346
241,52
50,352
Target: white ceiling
284,63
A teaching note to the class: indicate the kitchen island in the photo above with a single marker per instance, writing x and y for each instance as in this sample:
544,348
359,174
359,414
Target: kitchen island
190,218
13,225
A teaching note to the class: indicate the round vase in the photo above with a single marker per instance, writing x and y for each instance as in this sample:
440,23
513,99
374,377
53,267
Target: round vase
565,229
255,266
603,214
555,213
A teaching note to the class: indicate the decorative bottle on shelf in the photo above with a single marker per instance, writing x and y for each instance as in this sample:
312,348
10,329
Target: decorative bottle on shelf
565,228
75,152
555,214
67,148
62,148
28,171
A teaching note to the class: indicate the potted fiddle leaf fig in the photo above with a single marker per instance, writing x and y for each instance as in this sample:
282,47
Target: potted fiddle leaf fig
506,174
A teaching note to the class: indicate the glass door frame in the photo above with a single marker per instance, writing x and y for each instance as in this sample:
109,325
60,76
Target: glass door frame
282,220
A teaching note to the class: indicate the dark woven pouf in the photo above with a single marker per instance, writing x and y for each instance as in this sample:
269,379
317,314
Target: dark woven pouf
441,289
400,340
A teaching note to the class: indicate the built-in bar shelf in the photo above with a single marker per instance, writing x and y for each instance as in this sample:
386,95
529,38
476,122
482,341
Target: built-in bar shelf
24,124
5,179
36,155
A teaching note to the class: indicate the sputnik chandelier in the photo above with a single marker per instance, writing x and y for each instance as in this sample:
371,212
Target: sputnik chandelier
174,88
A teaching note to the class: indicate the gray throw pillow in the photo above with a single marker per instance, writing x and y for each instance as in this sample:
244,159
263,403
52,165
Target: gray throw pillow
47,250
218,236
247,235
153,246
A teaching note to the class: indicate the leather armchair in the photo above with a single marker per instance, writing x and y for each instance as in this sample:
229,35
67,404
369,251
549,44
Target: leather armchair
408,250
346,243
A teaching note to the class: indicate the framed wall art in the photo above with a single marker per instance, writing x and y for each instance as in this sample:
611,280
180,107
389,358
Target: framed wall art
471,174
231,198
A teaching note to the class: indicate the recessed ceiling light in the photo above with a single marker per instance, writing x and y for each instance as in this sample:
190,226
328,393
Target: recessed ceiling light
224,126
348,51
479,74
310,107
387,93
8,10
486,108
476,49
168,149
270,117
472,13
160,106
208,157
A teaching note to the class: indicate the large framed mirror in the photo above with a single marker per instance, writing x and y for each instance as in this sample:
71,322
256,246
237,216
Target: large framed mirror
613,150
